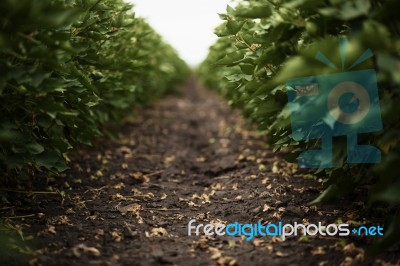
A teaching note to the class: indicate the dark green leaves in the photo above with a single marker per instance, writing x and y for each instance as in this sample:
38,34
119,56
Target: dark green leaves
68,67
257,10
265,43
234,26
347,10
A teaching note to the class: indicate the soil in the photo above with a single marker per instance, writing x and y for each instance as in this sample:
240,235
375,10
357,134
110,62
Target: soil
129,201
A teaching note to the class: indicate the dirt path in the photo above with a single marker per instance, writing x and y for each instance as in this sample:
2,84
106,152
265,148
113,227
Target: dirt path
187,157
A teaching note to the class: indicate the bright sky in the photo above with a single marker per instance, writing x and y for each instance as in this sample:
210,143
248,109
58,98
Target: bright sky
188,25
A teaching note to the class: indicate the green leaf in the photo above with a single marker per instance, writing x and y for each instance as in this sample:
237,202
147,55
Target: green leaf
51,161
255,11
234,26
231,58
329,194
247,69
34,148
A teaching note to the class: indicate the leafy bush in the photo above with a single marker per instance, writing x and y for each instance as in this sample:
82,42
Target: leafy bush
69,66
263,43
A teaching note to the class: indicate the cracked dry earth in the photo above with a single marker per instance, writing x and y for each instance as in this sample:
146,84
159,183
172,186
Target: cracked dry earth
186,157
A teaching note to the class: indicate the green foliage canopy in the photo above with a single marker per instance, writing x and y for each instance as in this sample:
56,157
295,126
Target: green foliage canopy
263,43
67,67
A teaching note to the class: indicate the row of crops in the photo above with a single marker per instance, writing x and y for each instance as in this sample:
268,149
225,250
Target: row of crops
264,43
67,68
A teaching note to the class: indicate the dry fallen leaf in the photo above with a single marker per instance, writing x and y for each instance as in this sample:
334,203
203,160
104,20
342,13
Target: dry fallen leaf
138,176
348,261
281,254
192,204
98,233
91,217
117,197
200,159
241,157
133,208
158,231
215,253
51,229
226,261
125,150
119,186
231,244
276,239
69,211
276,215
202,243
138,193
82,248
251,158
116,236
351,248
218,186
235,186
204,197
163,196
266,208
169,159
360,257
258,242
34,262
265,181
62,219
318,251
275,169
269,248
262,168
